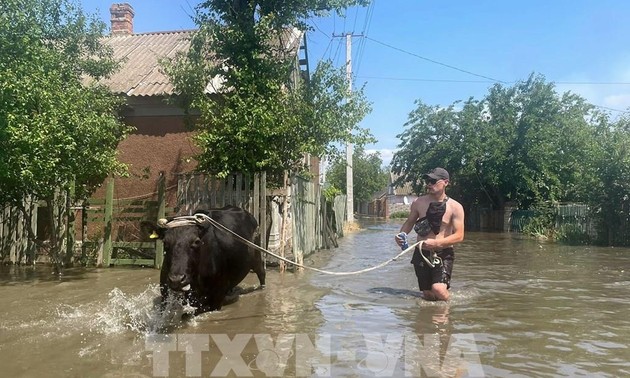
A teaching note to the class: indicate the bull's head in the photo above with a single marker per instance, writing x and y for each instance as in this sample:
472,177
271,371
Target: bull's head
182,243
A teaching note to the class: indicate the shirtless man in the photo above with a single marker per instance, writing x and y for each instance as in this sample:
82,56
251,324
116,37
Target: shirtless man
439,221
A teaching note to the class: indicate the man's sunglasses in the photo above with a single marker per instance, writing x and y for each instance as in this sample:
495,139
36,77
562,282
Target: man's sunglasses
430,181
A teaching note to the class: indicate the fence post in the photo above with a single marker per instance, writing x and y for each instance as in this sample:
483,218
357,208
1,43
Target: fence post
32,247
263,209
255,205
13,234
70,230
109,209
161,213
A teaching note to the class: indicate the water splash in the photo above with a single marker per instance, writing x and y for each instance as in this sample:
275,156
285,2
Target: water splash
142,313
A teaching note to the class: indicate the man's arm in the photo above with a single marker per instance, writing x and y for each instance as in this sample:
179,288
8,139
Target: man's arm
411,219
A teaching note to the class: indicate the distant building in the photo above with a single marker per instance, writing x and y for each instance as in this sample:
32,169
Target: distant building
390,200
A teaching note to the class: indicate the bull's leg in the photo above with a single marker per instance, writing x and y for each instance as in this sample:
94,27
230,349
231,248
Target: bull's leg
163,288
259,269
258,266
232,296
209,301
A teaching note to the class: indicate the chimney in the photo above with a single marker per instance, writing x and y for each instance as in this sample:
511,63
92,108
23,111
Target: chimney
122,19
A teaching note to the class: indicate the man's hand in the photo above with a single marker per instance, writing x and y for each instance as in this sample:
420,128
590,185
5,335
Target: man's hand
398,240
431,244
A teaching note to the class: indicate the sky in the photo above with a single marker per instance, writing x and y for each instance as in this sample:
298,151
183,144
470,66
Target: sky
441,51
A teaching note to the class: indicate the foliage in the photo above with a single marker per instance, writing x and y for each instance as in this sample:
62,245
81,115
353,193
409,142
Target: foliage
542,223
368,175
572,234
53,129
330,192
524,144
58,128
262,117
610,186
399,215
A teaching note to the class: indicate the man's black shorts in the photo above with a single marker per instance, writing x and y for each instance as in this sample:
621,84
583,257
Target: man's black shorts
427,275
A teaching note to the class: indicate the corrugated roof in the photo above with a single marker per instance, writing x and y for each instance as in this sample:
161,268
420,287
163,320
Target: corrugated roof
404,190
141,73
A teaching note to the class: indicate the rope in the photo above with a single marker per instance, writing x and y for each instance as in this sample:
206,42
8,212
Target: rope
437,260
201,218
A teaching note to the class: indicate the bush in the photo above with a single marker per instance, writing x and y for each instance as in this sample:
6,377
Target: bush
572,234
538,226
399,215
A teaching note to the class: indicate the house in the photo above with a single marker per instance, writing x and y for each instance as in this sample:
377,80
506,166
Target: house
392,199
161,143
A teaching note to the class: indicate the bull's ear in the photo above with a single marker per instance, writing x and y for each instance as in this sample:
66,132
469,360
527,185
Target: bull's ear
202,210
150,230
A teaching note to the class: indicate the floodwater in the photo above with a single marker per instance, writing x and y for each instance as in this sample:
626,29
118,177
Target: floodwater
518,308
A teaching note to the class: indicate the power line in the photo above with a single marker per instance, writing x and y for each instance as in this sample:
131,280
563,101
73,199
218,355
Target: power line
611,109
591,82
430,80
366,27
436,62
488,81
479,82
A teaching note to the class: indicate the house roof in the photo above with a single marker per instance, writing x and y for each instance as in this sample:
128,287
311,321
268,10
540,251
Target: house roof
404,190
141,73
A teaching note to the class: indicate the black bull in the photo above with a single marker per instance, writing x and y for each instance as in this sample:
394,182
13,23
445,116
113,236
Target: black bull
206,262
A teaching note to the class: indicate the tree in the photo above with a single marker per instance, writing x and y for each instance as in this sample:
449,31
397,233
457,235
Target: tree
260,119
523,144
368,175
610,188
56,129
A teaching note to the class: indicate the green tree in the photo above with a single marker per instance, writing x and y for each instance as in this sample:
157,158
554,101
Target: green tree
55,127
610,187
368,177
524,144
260,118
431,140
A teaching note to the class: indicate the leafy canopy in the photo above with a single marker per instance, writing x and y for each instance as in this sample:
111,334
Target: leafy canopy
524,144
369,176
54,129
263,116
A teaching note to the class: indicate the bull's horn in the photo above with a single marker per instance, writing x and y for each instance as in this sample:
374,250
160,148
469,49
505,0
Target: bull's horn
162,222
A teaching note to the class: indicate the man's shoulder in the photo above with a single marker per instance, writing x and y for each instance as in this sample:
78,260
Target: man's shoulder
422,199
455,204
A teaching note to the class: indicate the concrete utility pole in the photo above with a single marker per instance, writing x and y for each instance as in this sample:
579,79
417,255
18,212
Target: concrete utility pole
349,152
349,181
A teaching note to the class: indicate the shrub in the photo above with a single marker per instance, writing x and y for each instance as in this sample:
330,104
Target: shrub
399,215
572,234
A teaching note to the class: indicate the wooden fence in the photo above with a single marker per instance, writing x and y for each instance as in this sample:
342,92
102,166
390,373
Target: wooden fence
15,244
311,223
109,229
247,192
121,242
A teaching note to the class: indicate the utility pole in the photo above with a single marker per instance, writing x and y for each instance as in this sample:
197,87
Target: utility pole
349,149
349,181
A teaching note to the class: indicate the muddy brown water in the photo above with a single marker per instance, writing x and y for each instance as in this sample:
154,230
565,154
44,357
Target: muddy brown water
519,308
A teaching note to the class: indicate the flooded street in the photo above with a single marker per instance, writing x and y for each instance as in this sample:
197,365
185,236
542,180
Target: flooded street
518,307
